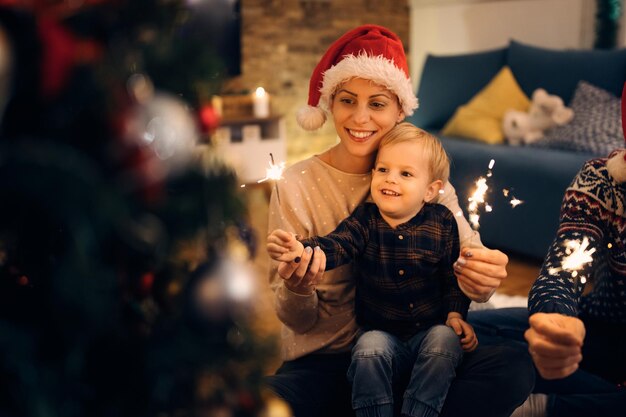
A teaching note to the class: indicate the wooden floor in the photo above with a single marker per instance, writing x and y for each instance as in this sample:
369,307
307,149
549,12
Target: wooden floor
521,275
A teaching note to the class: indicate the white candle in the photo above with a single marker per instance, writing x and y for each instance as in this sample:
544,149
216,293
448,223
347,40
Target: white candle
261,103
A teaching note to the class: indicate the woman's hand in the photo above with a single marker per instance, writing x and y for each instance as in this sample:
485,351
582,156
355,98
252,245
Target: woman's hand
555,343
301,277
480,272
464,330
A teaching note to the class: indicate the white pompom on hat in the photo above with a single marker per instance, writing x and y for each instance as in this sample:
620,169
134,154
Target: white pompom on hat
370,52
616,165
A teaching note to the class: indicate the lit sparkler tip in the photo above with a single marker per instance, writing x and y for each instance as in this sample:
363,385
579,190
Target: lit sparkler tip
515,202
474,219
243,186
577,255
274,172
505,192
491,163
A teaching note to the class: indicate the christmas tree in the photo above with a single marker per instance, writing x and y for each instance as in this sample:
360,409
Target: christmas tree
123,245
608,14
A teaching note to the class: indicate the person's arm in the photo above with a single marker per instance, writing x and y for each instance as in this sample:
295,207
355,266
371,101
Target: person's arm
557,289
293,283
456,302
347,241
340,247
555,335
453,298
479,270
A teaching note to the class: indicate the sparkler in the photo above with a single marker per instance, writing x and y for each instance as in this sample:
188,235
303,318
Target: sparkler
478,198
577,256
274,173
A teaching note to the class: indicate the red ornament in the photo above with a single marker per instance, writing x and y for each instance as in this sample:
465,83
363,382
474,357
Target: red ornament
146,282
62,51
209,119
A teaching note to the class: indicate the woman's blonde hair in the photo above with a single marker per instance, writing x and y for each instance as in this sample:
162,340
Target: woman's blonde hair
439,163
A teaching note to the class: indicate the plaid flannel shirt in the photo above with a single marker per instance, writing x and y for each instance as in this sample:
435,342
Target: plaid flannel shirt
405,282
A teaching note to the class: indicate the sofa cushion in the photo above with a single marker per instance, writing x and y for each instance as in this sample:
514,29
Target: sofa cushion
450,81
558,71
481,118
596,127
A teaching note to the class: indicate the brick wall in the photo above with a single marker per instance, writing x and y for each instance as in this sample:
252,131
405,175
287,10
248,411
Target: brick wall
282,41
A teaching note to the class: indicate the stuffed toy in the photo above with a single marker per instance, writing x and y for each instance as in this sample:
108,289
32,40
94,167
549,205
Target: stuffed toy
545,112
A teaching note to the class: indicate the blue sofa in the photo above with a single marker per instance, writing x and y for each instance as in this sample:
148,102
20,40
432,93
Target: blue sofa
537,176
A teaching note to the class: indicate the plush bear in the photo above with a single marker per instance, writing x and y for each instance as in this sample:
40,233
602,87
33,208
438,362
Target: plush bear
545,111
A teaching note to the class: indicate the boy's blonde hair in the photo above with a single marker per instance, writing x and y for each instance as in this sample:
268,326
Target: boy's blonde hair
439,163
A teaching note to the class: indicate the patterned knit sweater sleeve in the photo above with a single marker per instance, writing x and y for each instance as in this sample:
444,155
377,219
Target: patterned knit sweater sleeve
592,220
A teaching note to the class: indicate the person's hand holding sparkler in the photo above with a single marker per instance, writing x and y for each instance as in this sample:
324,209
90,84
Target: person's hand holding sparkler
299,269
479,270
555,340
555,343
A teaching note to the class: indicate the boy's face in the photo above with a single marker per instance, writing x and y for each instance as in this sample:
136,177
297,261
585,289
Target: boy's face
401,182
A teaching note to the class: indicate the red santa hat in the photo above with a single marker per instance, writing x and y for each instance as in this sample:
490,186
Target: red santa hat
616,165
370,52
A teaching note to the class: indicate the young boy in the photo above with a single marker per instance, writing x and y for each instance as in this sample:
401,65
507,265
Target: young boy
408,302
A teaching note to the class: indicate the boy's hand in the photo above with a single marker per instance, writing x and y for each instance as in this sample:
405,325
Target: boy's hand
464,330
283,246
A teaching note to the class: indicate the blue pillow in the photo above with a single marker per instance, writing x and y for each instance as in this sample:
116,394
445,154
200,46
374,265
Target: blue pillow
448,82
559,71
596,127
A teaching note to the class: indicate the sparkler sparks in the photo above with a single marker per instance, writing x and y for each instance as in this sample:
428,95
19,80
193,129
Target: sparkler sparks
478,198
514,201
274,173
577,256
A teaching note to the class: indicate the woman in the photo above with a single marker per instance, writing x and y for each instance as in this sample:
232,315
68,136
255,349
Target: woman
362,81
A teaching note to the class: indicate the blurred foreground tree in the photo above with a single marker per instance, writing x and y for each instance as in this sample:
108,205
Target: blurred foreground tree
124,288
608,14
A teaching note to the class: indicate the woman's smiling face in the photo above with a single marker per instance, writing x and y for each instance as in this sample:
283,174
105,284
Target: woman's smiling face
363,112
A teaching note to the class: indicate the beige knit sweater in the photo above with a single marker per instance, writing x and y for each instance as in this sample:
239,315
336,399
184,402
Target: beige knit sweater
314,198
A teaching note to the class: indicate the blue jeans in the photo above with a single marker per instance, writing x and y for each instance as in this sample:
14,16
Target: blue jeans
316,385
592,389
379,359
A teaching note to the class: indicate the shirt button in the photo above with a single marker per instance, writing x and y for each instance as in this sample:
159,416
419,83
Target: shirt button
401,272
400,237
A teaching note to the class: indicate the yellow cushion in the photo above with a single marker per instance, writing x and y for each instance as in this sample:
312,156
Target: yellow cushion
481,117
